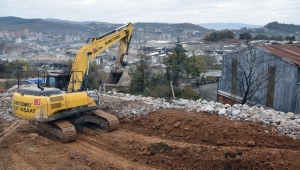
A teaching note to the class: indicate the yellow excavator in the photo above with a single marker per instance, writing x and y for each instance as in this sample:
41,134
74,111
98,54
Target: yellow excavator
64,101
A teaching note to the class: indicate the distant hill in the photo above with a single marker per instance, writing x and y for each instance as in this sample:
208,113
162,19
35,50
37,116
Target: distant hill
186,26
288,28
56,26
49,27
75,22
222,26
38,25
16,21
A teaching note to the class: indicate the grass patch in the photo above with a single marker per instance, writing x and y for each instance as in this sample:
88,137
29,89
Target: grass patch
140,93
239,151
160,148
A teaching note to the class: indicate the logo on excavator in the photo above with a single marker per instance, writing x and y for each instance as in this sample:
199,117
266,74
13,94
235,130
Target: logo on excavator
113,39
37,102
94,50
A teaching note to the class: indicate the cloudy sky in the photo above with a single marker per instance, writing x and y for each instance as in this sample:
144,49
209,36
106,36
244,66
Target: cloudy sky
258,12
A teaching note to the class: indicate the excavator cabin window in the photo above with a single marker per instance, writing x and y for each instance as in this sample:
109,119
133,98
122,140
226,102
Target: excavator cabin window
58,81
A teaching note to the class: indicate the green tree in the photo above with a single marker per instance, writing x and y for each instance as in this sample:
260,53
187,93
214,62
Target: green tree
141,76
2,67
245,36
261,37
147,80
229,34
217,36
176,63
179,65
188,93
93,76
2,45
290,38
277,38
9,70
193,67
205,64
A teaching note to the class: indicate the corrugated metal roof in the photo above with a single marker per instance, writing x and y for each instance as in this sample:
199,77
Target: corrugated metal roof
290,52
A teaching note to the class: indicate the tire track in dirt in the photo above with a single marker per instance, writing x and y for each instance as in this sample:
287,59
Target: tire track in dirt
137,142
117,161
10,129
123,135
11,161
153,139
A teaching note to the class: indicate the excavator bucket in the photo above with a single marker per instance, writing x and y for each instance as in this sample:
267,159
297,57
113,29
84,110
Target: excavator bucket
118,77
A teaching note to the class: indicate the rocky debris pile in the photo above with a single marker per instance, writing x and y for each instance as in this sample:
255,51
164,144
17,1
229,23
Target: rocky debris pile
129,105
122,108
287,123
13,89
5,105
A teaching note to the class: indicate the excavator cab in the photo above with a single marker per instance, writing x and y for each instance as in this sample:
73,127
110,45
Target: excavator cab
58,80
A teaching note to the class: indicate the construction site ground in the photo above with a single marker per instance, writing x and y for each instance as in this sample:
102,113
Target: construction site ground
164,139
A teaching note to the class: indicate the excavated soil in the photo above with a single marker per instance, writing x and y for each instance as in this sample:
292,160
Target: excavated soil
165,139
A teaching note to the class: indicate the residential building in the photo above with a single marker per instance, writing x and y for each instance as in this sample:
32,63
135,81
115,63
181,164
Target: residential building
278,67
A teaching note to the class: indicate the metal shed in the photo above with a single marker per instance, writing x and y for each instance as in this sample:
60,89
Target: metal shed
281,61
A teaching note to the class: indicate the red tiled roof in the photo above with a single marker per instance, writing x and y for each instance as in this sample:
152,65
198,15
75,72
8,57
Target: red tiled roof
289,52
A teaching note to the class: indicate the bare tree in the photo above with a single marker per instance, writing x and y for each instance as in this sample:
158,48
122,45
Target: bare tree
254,73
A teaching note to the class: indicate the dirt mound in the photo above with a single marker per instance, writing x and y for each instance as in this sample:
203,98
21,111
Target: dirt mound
226,142
209,129
164,139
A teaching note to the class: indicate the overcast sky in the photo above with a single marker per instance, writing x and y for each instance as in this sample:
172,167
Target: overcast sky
258,12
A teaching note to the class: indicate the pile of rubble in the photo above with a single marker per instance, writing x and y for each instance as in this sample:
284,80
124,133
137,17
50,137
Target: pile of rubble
5,107
131,106
287,123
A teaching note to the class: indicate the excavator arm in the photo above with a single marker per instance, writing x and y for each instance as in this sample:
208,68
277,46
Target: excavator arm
95,46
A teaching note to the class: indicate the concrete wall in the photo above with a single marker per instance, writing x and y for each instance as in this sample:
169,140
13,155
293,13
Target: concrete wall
208,91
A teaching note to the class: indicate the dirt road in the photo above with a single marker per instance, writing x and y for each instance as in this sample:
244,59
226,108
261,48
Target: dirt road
165,139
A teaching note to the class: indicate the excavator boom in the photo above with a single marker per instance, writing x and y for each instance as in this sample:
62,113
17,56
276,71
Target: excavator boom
95,46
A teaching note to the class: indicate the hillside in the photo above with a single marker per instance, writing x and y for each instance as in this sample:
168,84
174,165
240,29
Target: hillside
222,26
47,27
186,31
91,28
74,22
187,26
288,28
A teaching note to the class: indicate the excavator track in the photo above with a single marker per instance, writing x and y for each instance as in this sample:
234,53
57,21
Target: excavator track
112,121
62,130
99,118
65,132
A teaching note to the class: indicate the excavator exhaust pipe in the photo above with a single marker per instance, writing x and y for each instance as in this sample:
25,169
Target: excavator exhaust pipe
118,77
